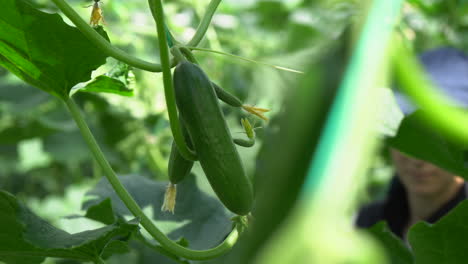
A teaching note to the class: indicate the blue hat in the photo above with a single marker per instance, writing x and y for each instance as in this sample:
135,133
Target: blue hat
448,68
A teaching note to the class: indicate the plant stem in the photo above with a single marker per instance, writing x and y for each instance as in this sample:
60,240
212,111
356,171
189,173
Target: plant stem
158,13
134,208
102,43
169,37
189,55
157,248
204,24
178,54
438,110
245,59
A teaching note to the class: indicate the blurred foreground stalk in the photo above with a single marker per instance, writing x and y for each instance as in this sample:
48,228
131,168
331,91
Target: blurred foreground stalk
319,228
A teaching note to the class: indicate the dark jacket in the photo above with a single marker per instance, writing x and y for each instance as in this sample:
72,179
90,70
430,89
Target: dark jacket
394,210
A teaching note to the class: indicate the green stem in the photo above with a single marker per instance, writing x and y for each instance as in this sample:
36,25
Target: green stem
203,26
178,54
102,43
157,248
134,208
188,53
245,59
438,111
158,13
169,37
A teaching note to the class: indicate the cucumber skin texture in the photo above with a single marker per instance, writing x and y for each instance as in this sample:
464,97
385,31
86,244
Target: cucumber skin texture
179,167
200,111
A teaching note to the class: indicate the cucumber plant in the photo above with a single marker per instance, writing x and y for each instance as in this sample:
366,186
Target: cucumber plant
198,126
213,147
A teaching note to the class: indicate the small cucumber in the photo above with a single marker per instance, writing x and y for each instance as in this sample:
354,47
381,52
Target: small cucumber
250,134
178,169
200,111
226,97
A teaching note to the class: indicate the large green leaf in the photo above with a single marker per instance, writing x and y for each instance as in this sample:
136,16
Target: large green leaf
43,50
200,218
397,252
27,239
444,241
417,140
106,84
119,80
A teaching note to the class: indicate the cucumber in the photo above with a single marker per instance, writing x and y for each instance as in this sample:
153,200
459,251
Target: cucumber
249,131
179,167
200,111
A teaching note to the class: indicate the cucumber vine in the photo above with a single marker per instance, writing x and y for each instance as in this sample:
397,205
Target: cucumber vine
164,67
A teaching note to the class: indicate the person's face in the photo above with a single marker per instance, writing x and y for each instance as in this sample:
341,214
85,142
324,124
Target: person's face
421,177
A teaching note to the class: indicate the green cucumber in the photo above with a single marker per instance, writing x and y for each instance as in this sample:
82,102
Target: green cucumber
200,111
249,131
246,143
179,167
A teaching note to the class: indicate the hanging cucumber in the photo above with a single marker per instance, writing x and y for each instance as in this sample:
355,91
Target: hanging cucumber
178,169
249,131
200,111
225,96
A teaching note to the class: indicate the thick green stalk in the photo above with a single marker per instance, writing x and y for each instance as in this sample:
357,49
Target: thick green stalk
169,37
436,108
102,43
134,208
158,13
204,24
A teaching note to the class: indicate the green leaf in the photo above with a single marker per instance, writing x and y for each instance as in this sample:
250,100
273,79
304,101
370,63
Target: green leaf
442,242
397,252
27,239
417,140
106,84
115,247
102,212
43,50
199,218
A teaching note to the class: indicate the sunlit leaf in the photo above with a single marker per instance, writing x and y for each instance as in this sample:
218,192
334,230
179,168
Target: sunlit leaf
105,84
43,50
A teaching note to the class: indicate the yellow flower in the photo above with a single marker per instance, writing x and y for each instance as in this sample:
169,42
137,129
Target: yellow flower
256,111
96,14
169,198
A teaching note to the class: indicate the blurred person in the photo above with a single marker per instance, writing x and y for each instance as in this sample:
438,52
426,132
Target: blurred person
421,191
